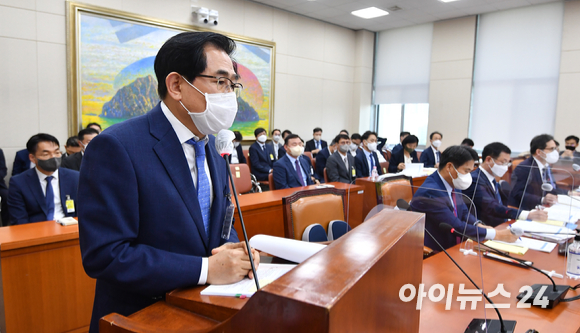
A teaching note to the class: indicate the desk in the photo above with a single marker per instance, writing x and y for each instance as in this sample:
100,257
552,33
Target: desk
44,285
565,317
263,211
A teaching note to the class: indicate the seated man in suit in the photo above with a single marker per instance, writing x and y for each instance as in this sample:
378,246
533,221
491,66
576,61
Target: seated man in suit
340,166
276,144
485,191
431,156
74,161
535,171
571,143
3,190
291,170
261,155
237,155
321,159
441,200
72,146
355,142
366,158
21,162
316,144
467,142
45,192
95,126
405,155
399,145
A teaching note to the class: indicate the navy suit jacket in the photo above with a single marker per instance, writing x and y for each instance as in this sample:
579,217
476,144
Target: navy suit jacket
396,148
489,209
433,199
261,160
428,157
362,164
26,201
141,230
310,146
21,162
286,177
3,171
321,163
534,193
399,157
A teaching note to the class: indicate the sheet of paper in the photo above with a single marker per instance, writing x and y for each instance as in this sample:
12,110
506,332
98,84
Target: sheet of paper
267,273
567,200
539,229
533,244
289,249
507,247
566,213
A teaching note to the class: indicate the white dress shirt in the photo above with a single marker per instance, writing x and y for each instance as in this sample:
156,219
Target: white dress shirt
523,214
184,134
58,212
235,159
369,156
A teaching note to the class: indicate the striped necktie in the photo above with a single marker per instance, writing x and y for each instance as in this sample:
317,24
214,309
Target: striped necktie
49,199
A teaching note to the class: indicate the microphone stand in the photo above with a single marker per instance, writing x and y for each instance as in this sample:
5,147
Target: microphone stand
225,156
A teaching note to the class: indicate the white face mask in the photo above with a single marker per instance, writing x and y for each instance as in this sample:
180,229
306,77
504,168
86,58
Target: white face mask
277,138
353,146
317,137
220,112
262,138
463,181
436,143
236,144
498,170
296,151
372,146
552,157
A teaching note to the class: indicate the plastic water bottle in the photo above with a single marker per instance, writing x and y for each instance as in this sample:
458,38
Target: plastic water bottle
374,174
573,264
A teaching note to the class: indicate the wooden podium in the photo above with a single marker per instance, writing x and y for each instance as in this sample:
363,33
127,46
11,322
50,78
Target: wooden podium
350,286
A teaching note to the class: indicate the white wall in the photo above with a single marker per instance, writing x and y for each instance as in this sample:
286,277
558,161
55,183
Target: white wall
322,70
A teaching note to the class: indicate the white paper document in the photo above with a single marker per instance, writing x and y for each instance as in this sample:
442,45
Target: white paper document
267,273
561,212
538,229
534,244
567,200
285,248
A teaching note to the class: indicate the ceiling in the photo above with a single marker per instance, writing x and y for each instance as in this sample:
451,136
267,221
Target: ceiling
412,11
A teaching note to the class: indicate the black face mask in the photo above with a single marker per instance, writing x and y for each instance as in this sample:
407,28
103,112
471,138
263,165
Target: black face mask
50,165
571,148
409,150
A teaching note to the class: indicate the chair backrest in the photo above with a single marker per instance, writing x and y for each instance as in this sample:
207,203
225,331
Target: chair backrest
394,189
271,182
325,176
247,156
307,207
385,167
242,178
309,155
419,155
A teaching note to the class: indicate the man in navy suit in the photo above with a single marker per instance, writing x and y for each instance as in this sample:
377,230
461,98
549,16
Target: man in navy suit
316,144
340,166
431,156
535,171
261,155
3,190
45,192
291,170
21,162
321,159
366,158
152,217
441,200
485,191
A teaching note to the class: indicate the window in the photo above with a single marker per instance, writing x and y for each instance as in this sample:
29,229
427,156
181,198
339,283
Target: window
392,119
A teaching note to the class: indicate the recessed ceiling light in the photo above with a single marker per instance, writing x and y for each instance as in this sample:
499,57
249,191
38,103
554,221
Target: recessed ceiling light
448,0
369,13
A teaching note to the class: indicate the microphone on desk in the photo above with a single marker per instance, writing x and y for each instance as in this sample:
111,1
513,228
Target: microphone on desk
576,167
554,295
225,147
481,325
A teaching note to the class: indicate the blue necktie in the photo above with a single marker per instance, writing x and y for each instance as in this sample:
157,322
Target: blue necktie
497,195
549,176
372,164
49,199
202,182
299,172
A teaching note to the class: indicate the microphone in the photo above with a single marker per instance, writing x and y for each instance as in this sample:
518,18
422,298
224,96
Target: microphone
547,187
402,204
555,295
481,325
576,167
224,146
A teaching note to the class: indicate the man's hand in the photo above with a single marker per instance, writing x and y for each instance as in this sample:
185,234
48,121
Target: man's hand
538,215
505,236
401,166
230,263
567,153
315,151
550,200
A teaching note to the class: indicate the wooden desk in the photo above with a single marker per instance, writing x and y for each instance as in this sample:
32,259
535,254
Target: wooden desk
263,211
565,317
44,285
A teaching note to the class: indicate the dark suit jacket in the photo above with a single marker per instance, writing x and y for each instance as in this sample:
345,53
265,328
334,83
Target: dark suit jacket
21,162
432,199
321,163
286,177
240,152
142,231
399,157
275,148
336,170
262,160
26,201
3,171
3,190
381,142
428,157
310,146
73,161
534,193
362,164
489,209
396,148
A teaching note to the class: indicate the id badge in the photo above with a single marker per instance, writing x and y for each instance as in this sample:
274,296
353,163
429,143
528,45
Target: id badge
271,157
227,226
69,204
353,172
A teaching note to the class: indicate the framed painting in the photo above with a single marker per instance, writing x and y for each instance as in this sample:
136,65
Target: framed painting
110,60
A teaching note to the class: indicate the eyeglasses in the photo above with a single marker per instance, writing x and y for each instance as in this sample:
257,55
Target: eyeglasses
225,85
508,164
550,149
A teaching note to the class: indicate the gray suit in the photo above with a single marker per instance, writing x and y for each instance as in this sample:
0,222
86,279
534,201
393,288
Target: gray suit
276,148
336,170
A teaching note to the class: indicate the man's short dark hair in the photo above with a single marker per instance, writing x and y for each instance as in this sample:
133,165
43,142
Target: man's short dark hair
340,137
432,134
286,132
572,137
457,155
468,142
290,137
93,124
345,131
540,142
73,141
410,139
258,131
317,129
184,53
494,149
367,134
238,135
87,131
473,153
355,136
404,134
274,130
33,142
